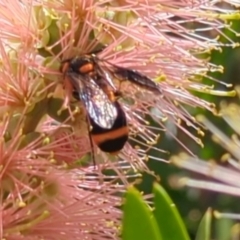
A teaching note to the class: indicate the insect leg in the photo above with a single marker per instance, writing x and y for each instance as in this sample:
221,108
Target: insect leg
91,142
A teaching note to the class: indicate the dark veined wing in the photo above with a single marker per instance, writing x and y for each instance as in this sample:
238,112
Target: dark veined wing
98,106
126,74
105,75
136,78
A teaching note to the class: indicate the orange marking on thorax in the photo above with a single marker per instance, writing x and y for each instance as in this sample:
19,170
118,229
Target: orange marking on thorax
86,68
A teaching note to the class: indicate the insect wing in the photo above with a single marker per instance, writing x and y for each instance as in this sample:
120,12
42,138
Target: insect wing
123,74
136,78
106,75
99,108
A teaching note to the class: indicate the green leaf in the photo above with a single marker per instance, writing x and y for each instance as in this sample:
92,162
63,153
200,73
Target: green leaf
169,221
138,221
223,226
56,111
204,229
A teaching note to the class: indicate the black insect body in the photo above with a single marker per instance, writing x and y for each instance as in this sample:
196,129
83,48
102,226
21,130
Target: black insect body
107,120
91,81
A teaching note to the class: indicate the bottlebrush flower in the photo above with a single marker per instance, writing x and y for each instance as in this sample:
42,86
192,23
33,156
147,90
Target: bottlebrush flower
48,188
220,175
225,179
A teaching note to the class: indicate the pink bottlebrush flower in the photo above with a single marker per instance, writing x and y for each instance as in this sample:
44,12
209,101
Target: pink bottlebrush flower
42,198
220,175
140,39
225,179
48,188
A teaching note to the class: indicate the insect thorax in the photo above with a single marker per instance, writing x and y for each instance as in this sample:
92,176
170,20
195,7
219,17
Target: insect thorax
82,65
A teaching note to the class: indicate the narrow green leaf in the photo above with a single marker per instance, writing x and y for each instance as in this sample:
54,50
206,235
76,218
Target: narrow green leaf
138,221
222,227
169,221
204,229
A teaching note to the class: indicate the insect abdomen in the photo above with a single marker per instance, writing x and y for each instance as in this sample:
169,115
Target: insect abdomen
111,140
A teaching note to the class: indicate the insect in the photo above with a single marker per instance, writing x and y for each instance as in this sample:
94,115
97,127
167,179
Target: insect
90,80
